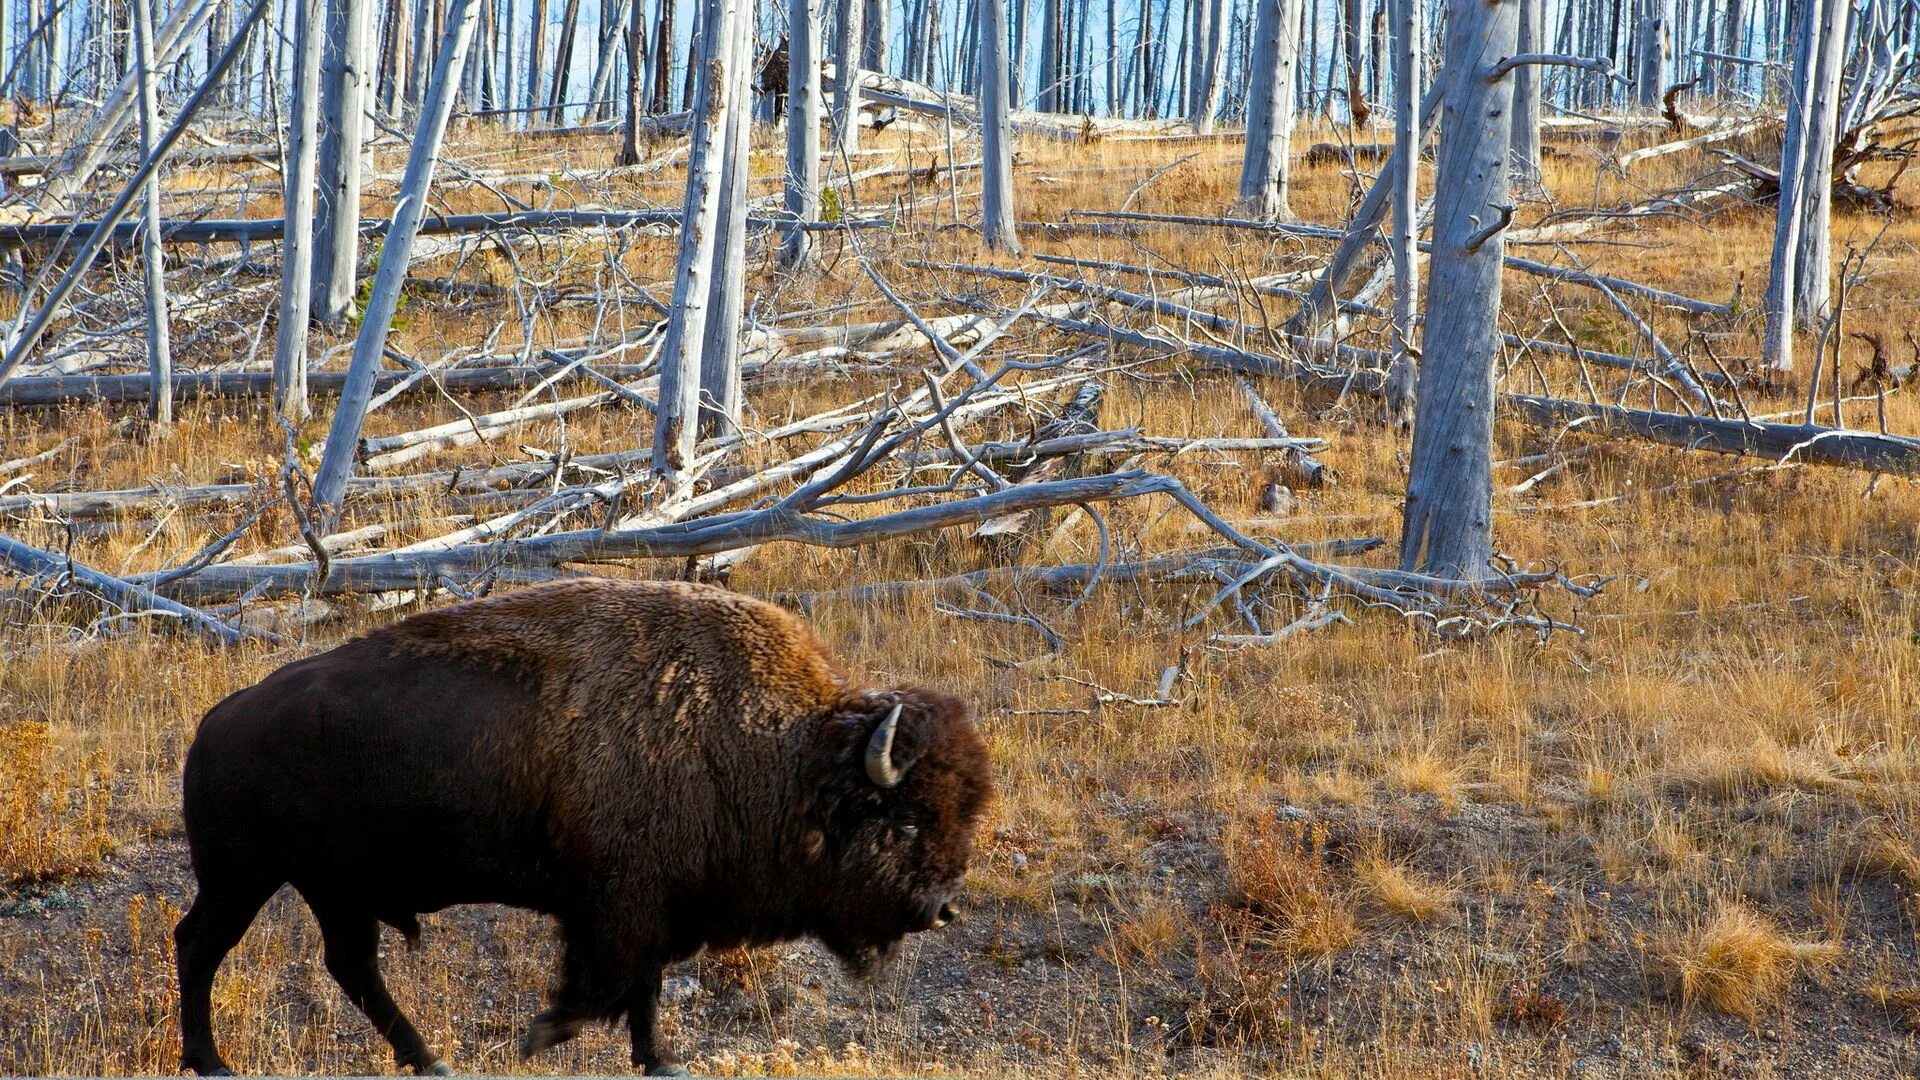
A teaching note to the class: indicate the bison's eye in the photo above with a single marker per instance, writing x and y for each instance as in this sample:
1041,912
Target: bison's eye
908,831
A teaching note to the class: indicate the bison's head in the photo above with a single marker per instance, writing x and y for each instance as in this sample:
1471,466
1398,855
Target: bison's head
899,783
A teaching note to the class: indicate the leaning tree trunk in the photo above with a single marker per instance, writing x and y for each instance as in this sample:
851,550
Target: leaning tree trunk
1526,97
846,75
1267,165
996,128
1812,285
1407,137
343,103
803,130
1449,509
296,251
343,438
153,259
697,271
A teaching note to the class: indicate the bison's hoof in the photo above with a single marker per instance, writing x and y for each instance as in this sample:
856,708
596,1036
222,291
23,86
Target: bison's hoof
545,1032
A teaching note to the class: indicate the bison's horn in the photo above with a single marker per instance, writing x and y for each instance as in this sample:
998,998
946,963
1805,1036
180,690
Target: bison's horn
880,767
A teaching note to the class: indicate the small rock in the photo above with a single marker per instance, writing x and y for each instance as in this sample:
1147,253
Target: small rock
1293,813
1500,959
1019,862
1278,499
680,989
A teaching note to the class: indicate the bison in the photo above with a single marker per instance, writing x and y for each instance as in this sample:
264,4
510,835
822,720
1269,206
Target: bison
661,767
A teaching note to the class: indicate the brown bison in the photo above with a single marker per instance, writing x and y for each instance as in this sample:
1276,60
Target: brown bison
660,766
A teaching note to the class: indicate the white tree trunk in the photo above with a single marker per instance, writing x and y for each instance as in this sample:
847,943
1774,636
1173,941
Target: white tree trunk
996,128
803,130
1812,279
720,353
1408,137
846,69
1526,97
1209,56
1449,510
344,98
296,250
696,273
1791,207
343,438
1655,51
1267,165
153,259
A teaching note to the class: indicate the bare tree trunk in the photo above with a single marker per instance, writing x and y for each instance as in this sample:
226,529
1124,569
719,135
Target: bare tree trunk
343,102
803,130
1655,52
153,259
1267,165
604,62
1812,281
1408,137
296,267
1357,106
1790,210
536,54
846,75
1209,54
663,59
1526,97
720,353
563,62
996,129
343,438
878,26
1449,510
636,81
697,271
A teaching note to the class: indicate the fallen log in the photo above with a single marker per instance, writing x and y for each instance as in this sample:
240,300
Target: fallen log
129,598
214,231
1807,443
32,165
115,389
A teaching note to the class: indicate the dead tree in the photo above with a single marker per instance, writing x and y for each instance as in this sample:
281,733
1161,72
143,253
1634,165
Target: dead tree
1653,45
803,130
344,100
1449,508
296,252
1817,51
153,259
1812,284
1207,58
720,353
699,268
1408,137
1352,25
1527,98
996,128
1267,165
846,75
343,438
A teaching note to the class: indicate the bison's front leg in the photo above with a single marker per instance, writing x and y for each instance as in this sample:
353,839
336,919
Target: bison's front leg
643,1021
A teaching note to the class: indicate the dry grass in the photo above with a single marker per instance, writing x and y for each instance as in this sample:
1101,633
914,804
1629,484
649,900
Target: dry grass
1356,853
1737,960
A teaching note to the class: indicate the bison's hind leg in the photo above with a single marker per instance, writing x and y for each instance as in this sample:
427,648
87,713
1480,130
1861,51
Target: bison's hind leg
353,959
220,915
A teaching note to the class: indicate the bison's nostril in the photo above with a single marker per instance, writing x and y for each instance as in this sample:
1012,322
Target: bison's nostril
948,913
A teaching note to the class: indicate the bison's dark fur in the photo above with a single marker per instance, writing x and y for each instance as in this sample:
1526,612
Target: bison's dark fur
662,767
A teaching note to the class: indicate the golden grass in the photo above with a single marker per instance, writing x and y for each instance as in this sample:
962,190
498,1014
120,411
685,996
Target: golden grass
1737,960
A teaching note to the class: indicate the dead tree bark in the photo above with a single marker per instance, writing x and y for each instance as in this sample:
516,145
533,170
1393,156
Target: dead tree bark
803,130
1815,31
846,76
1267,165
1527,97
996,128
1449,509
1357,107
720,353
1409,135
153,259
1812,280
344,99
636,82
1654,49
296,252
698,267
336,465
